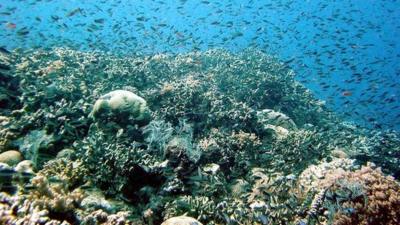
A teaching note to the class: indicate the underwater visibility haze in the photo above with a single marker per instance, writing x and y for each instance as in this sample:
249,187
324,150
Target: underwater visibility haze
199,112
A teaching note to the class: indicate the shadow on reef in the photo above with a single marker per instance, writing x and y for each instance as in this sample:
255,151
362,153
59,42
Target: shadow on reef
223,138
8,83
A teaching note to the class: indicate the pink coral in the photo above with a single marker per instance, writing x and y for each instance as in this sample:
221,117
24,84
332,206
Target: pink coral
383,199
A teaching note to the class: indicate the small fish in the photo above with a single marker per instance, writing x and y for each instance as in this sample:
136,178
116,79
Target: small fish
141,18
4,50
101,21
11,25
55,18
74,12
347,93
23,31
6,173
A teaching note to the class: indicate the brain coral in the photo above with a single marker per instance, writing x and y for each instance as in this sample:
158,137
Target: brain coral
122,106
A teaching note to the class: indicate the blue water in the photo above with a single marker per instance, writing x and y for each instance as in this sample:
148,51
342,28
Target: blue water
346,52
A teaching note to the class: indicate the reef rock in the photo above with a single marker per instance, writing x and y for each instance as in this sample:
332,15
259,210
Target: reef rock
96,200
181,220
11,157
66,153
182,155
315,175
271,117
121,107
26,166
280,132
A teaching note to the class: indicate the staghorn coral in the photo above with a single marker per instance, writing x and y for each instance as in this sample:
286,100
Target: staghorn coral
273,197
235,152
8,84
296,151
120,166
381,148
50,202
200,207
73,173
46,203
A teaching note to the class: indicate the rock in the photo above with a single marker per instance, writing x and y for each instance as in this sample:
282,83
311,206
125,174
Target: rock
66,153
181,220
268,116
278,131
26,166
258,205
96,200
4,166
211,168
339,153
122,107
181,155
4,120
11,157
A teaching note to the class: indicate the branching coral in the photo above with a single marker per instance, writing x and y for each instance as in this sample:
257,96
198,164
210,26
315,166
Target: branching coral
382,148
197,207
122,163
365,196
295,152
73,173
44,204
376,201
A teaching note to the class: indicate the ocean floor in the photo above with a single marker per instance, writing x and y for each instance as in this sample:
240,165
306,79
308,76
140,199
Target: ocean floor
198,138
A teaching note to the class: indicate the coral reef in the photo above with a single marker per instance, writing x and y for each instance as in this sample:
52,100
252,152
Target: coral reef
219,137
53,201
8,84
43,204
382,148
